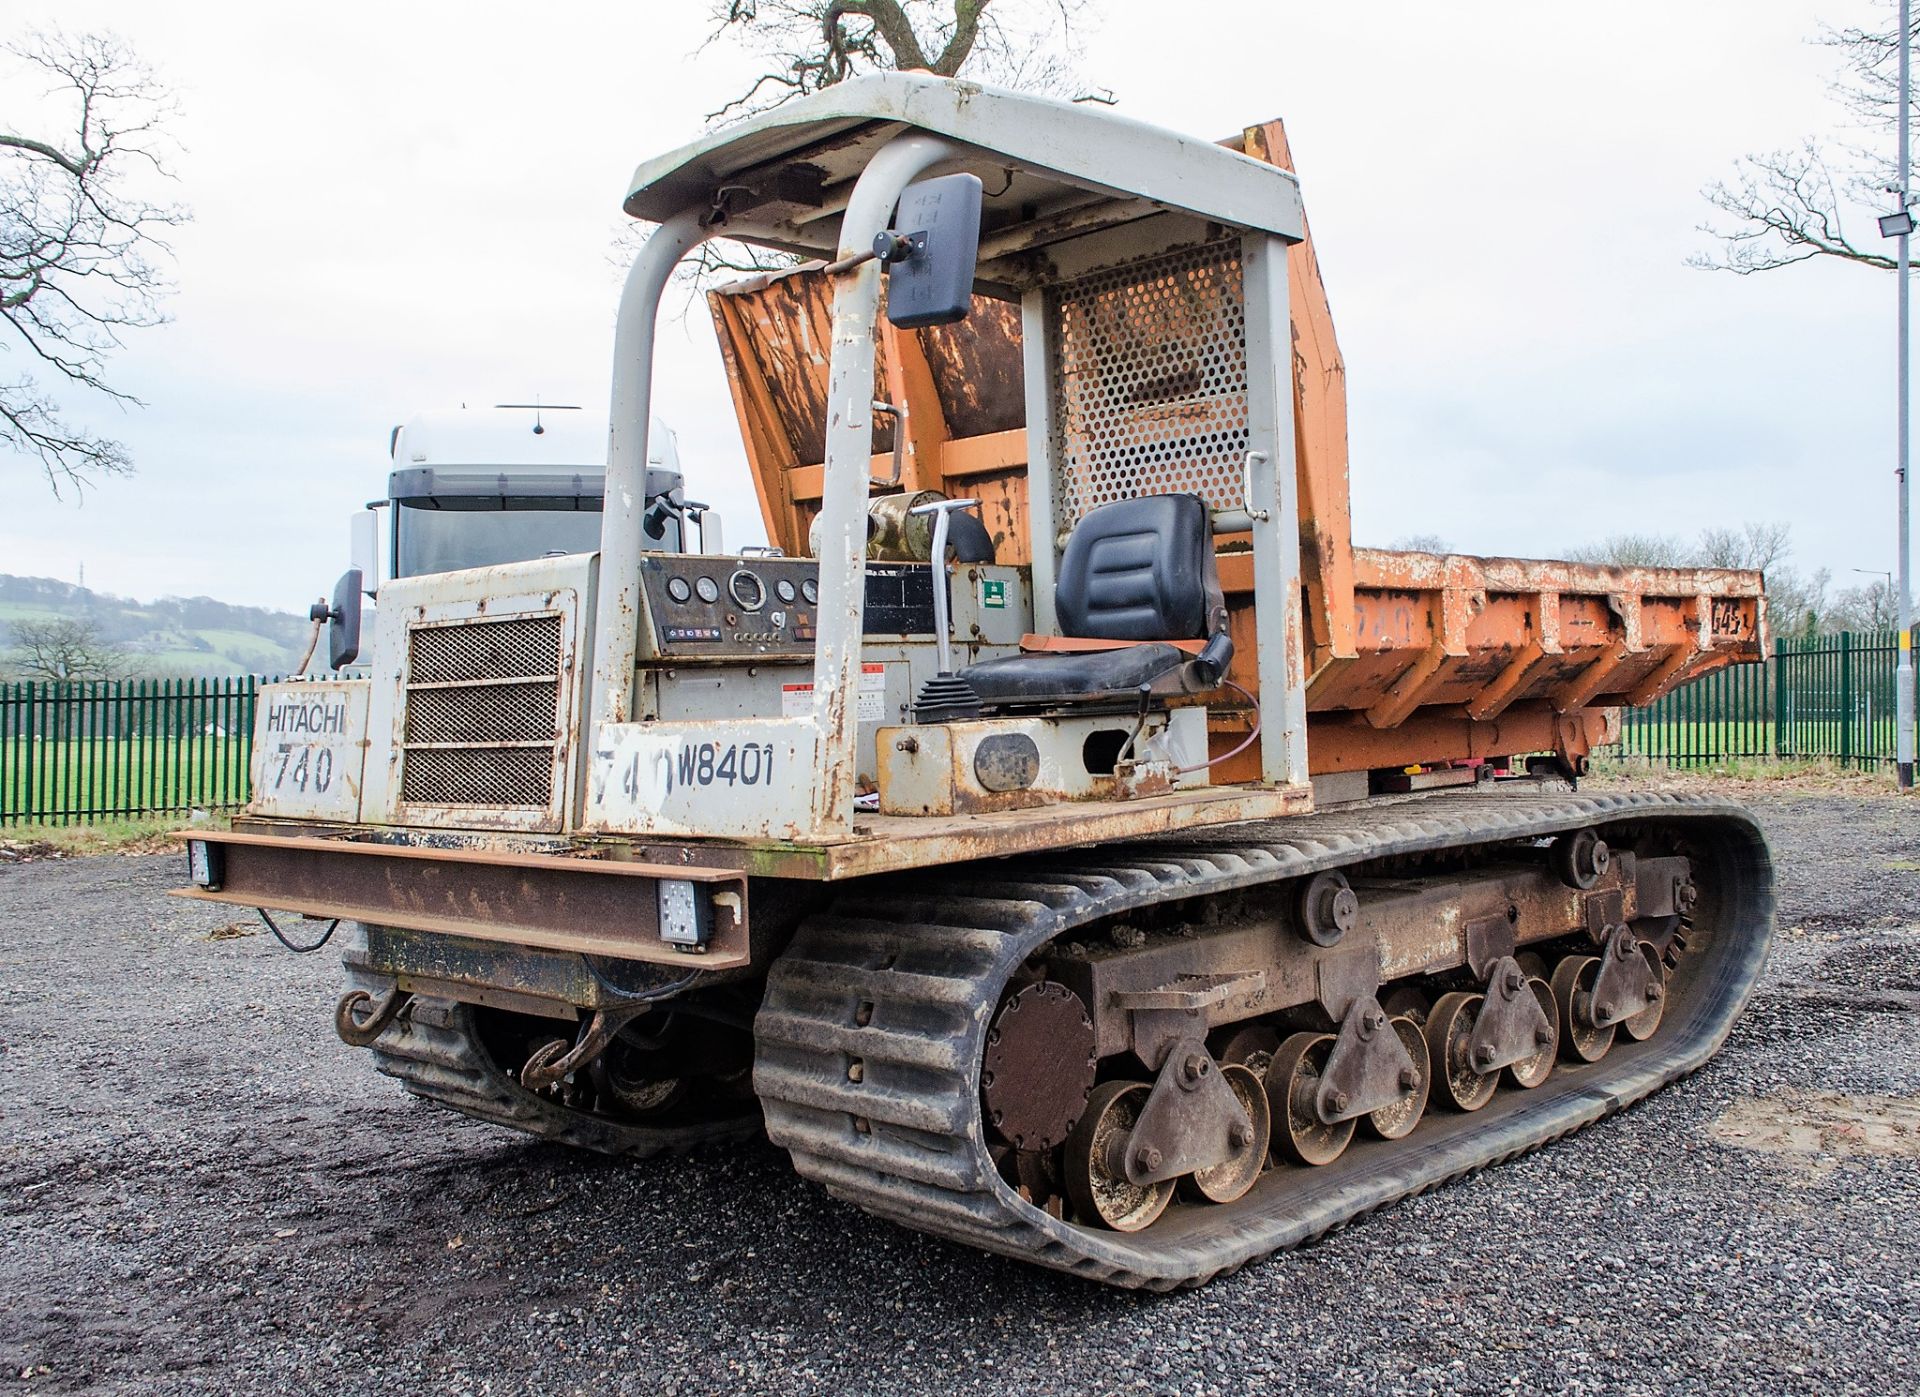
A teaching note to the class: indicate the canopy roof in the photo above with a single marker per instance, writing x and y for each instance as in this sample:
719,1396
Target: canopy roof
1050,169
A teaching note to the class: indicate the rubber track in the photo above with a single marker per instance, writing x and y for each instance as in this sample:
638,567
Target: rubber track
932,953
434,1050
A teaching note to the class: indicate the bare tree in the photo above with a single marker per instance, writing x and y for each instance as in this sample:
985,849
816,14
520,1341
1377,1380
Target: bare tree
65,647
1796,602
1635,551
1421,543
80,242
1794,205
1750,546
811,44
1872,607
814,44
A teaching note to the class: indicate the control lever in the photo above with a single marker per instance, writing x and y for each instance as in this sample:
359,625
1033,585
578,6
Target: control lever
944,697
940,509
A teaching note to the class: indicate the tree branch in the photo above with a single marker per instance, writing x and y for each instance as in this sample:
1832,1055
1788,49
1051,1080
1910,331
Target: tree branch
1783,210
79,245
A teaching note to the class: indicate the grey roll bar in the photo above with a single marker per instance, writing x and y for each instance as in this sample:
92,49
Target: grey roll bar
616,629
842,551
843,515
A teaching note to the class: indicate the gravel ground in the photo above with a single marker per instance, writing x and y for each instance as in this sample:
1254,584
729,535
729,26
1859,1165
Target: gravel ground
202,1190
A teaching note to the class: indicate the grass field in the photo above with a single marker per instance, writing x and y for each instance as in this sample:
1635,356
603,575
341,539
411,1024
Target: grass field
1712,740
77,779
146,834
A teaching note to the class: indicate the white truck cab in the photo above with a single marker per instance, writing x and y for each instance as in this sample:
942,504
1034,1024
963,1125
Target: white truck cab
479,487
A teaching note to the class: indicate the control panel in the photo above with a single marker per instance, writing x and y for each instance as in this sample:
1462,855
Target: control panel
729,610
715,608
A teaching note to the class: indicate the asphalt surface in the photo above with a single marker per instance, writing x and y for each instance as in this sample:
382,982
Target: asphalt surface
202,1190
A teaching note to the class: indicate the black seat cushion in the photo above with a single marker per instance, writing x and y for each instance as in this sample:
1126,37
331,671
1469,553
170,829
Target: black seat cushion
1072,676
1140,570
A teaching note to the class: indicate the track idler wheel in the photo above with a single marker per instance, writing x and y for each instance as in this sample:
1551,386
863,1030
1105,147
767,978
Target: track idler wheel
614,1077
1581,1039
1096,1165
1293,1092
1449,1034
1232,1177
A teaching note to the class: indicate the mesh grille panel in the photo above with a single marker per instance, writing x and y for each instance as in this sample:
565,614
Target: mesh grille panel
479,776
1150,381
491,713
488,656
486,650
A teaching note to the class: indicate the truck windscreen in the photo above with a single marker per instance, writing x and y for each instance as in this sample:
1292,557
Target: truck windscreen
510,531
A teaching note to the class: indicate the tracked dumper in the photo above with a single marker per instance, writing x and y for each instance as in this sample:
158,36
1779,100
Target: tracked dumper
1150,881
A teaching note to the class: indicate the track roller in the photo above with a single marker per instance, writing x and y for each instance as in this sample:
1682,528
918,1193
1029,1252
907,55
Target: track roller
1232,1177
1531,1072
1398,1119
1449,1033
1293,1090
1581,1039
1096,1169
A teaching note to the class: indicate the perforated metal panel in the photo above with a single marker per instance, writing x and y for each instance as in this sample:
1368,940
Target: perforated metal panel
503,776
1150,381
515,648
485,713
482,713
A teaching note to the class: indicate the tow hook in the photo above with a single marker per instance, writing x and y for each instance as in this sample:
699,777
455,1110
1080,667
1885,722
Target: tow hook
358,1032
550,1062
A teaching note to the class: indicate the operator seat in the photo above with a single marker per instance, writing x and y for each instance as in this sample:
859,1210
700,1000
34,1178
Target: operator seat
1134,571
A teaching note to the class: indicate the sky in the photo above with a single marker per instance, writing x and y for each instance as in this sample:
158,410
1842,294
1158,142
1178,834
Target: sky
408,207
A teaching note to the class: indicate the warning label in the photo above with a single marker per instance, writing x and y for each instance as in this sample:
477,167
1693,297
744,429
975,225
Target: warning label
796,700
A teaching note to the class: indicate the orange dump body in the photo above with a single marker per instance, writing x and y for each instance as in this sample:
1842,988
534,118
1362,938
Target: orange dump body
1412,658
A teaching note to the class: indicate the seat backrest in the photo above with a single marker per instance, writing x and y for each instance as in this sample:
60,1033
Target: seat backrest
1140,570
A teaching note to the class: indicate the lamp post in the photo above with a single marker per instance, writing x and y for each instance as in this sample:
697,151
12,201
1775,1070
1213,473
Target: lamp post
1900,225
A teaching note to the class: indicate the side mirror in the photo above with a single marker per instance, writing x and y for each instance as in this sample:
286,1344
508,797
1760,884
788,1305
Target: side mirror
931,251
343,619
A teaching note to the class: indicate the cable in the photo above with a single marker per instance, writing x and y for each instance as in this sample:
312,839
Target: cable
636,997
1246,743
281,936
313,643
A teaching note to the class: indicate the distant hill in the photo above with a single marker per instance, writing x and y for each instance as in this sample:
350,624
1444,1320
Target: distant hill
172,637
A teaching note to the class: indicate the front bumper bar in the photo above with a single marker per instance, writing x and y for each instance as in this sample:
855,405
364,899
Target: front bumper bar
599,907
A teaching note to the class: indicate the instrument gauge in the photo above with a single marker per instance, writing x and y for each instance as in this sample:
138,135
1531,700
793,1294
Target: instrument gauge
783,589
810,591
747,589
708,589
678,589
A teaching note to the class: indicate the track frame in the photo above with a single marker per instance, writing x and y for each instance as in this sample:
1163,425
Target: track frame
885,1113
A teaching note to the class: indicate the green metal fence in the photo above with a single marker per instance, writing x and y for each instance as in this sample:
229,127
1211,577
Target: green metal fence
81,751
1829,696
